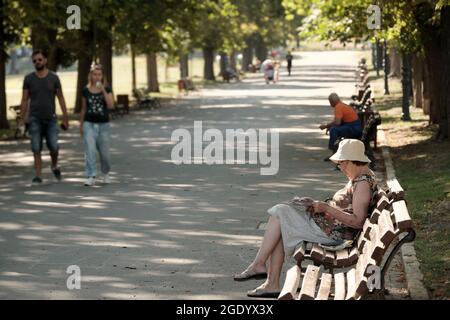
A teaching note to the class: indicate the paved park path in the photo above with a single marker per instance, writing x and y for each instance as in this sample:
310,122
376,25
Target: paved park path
162,231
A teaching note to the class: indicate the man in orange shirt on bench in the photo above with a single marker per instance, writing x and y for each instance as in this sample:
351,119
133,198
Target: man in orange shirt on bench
346,123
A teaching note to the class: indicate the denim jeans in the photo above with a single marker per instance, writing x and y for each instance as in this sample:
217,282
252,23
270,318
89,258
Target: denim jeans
40,128
96,138
349,130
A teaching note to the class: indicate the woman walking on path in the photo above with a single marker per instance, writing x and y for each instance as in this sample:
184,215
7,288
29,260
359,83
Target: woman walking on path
95,129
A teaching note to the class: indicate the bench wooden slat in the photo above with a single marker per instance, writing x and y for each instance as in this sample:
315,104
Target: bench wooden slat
339,286
383,203
291,283
363,235
374,216
342,257
360,279
395,190
309,283
380,191
387,232
366,228
351,284
378,248
317,253
361,266
325,287
366,257
300,252
329,257
361,243
400,216
353,255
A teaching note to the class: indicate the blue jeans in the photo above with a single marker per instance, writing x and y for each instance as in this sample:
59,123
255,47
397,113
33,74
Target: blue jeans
96,138
349,130
40,128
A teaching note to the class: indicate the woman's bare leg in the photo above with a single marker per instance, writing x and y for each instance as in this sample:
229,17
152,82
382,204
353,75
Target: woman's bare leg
272,283
275,267
271,239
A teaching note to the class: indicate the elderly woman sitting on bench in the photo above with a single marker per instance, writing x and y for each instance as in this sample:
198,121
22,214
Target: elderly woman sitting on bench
304,219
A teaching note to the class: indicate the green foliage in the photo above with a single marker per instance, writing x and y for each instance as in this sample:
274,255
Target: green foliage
346,20
13,16
214,24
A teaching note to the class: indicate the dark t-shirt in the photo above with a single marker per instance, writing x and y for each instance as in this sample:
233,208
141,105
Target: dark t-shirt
42,92
289,58
97,110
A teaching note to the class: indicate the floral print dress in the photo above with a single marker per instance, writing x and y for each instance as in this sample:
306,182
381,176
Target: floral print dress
343,200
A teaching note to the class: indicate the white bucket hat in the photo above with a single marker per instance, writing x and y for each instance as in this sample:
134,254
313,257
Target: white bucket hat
350,150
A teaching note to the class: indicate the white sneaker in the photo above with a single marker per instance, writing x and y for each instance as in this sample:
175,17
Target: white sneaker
89,182
106,179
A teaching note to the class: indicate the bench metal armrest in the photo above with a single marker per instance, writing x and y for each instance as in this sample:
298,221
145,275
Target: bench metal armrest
409,237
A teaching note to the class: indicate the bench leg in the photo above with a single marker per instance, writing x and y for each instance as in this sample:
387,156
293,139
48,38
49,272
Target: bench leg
411,235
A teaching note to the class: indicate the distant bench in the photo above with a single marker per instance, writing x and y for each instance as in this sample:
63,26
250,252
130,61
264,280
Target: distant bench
185,85
143,100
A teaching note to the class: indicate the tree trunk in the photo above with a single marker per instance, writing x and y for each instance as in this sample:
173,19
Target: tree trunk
386,68
106,56
406,76
260,49
133,67
430,36
426,90
184,66
152,73
247,58
53,51
233,63
444,121
85,57
417,65
223,63
4,124
84,65
3,109
208,71
396,63
434,67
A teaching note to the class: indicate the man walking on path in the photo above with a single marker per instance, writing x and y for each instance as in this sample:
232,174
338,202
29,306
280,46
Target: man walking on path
39,91
346,123
289,59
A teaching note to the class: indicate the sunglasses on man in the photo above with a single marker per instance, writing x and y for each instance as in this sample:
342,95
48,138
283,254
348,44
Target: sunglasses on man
37,60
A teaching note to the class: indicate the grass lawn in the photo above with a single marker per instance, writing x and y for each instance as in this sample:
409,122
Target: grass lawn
423,168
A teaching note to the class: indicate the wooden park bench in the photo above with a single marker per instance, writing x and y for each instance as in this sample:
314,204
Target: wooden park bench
17,133
360,104
145,101
371,120
361,92
358,265
121,107
185,85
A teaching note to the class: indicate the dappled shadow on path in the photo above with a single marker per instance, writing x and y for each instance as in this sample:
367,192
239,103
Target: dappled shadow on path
162,230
